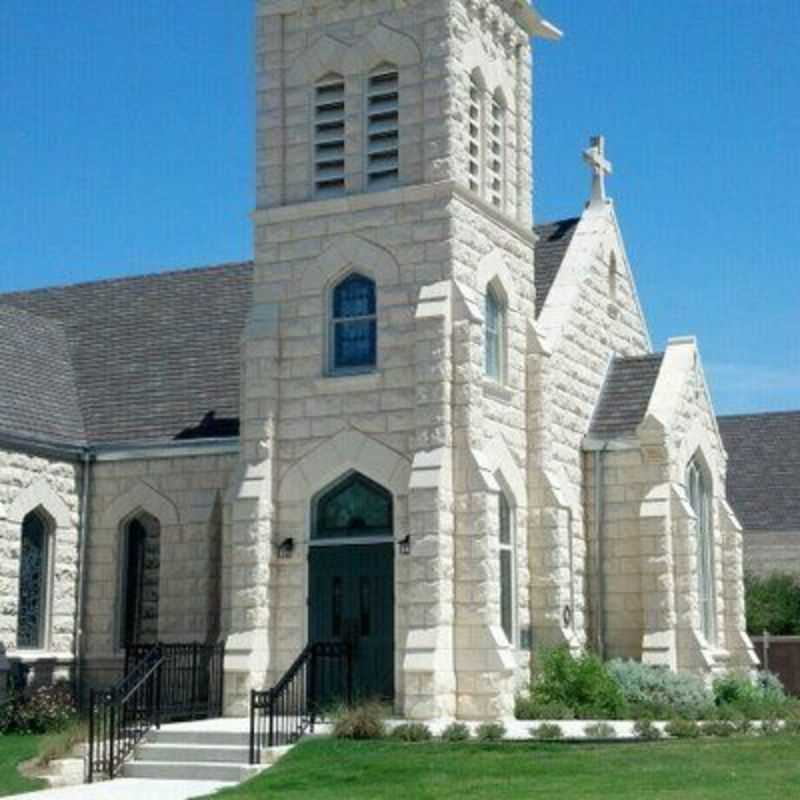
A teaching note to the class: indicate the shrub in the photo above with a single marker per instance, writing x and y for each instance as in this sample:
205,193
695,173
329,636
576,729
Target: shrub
658,692
684,729
759,698
580,683
647,729
47,710
719,728
773,604
363,721
456,732
528,708
548,731
412,732
600,730
491,732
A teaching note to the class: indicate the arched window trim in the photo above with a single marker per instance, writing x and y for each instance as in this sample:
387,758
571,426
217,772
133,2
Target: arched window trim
148,524
699,489
495,334
329,136
337,323
43,632
382,128
507,545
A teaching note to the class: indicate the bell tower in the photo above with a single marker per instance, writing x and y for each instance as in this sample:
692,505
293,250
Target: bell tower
393,192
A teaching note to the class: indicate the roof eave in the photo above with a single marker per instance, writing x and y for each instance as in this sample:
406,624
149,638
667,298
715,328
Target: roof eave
536,25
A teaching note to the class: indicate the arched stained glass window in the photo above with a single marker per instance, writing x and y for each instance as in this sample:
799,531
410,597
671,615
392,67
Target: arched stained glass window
700,499
33,568
495,334
355,507
354,325
507,588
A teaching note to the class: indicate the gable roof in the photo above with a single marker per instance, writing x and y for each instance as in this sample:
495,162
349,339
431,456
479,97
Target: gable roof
39,395
764,469
626,395
135,359
552,245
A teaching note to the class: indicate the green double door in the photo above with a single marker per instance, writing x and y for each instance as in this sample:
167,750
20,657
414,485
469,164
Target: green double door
352,599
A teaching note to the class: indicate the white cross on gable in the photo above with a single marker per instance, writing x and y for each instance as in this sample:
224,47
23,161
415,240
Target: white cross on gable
595,157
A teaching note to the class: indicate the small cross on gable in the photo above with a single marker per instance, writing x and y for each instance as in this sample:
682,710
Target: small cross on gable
595,157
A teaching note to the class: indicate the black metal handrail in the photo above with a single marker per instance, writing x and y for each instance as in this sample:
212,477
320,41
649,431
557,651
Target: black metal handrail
162,683
120,717
286,712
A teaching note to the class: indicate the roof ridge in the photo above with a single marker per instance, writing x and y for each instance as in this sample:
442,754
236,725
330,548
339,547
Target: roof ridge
126,278
761,414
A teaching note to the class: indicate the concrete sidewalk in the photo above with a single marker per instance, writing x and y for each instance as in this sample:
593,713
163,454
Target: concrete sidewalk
132,789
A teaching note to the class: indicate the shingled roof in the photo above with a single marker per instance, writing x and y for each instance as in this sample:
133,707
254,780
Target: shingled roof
626,396
554,240
764,469
134,359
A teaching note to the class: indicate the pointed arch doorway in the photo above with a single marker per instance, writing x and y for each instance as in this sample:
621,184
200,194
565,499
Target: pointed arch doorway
351,579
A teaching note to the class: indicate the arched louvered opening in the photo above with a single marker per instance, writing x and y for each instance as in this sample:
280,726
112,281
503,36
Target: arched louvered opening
383,128
496,161
329,136
475,124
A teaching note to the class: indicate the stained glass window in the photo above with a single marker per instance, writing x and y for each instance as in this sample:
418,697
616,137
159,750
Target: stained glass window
506,568
354,508
495,324
354,325
701,502
32,583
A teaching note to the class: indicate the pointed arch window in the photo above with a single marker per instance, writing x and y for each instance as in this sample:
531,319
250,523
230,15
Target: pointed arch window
496,177
701,501
507,571
329,136
354,325
140,581
356,507
33,572
383,128
495,335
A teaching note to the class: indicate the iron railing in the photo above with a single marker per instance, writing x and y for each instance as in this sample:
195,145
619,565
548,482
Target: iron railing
192,679
162,683
120,717
322,674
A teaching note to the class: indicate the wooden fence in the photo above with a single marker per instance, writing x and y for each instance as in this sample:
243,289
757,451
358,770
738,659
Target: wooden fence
781,655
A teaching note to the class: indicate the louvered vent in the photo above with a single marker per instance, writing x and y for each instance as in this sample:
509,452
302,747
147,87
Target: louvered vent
497,144
329,143
474,136
383,129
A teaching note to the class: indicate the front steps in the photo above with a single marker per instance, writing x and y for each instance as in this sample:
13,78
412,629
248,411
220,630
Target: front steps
213,750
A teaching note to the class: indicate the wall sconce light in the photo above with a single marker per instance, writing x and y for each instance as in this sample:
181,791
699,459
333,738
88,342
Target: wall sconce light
405,545
286,549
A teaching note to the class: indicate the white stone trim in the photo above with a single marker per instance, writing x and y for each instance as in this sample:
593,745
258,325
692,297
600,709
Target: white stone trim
142,497
324,55
382,44
39,495
493,270
349,450
493,73
506,471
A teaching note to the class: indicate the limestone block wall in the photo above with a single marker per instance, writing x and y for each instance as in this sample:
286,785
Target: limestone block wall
766,552
52,487
185,496
588,319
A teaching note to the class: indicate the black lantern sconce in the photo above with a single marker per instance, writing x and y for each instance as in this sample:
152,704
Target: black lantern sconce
286,549
404,545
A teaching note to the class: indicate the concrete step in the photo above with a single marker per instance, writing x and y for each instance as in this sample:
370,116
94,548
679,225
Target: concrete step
193,753
182,771
205,738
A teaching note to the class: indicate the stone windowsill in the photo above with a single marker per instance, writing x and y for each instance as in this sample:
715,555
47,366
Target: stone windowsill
341,384
498,391
40,655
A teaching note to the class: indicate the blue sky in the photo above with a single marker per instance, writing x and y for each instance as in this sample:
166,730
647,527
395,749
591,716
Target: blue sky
126,146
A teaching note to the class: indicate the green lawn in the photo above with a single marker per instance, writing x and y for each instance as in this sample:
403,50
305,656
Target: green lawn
14,750
325,769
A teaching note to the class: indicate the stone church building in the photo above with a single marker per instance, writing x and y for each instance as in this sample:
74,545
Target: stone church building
416,421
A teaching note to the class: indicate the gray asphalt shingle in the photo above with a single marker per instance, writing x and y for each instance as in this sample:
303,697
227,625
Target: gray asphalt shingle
764,469
554,240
